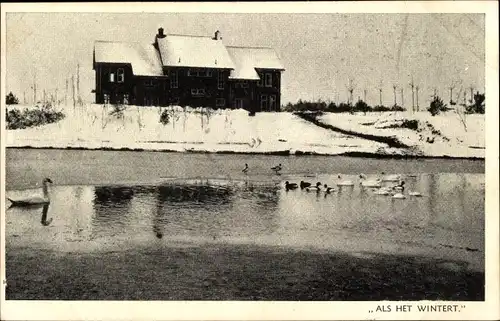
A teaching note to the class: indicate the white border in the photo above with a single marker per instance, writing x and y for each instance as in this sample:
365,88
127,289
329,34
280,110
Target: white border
230,310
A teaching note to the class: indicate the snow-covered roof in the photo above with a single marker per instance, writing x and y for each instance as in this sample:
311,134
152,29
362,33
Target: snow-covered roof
144,58
194,51
247,59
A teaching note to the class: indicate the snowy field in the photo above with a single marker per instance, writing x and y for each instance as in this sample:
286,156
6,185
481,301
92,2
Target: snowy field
94,127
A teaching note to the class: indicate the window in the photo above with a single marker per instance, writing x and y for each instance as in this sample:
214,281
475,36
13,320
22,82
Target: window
263,102
174,79
238,103
272,102
198,92
126,99
241,84
269,80
260,81
106,99
149,83
199,73
220,80
120,75
111,77
220,102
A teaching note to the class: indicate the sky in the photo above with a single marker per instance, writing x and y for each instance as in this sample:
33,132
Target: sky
322,53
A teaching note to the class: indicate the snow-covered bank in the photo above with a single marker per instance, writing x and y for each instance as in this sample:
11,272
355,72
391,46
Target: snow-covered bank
443,135
234,131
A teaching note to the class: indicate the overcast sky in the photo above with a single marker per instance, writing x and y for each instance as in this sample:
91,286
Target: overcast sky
320,52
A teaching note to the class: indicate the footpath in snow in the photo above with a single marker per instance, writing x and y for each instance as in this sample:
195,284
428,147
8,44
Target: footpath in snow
195,130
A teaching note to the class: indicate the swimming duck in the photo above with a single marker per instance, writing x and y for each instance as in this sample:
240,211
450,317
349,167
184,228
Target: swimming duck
344,183
416,194
36,200
383,191
399,187
276,168
328,190
316,188
304,184
245,170
370,183
290,186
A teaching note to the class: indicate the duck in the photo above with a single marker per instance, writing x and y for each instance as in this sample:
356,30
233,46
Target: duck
35,200
383,191
399,187
370,183
316,188
245,170
290,186
276,168
416,194
328,190
344,183
304,184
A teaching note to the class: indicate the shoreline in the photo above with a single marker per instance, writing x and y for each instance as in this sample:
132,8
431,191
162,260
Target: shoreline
259,273
271,153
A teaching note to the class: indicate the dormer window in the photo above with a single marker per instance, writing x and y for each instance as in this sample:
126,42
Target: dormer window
120,75
269,80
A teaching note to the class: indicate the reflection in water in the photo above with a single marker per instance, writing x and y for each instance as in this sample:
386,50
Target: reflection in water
451,213
44,220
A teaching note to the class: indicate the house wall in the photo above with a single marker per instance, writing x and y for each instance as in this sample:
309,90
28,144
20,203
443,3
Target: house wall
114,89
183,94
159,91
268,91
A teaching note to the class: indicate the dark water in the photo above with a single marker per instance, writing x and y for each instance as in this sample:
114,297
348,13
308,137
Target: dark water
447,222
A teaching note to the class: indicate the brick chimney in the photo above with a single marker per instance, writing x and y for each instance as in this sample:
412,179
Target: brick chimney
217,36
160,33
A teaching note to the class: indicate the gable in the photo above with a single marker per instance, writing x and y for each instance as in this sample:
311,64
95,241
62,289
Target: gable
143,58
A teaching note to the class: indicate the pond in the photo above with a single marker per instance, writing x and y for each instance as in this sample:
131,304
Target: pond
187,207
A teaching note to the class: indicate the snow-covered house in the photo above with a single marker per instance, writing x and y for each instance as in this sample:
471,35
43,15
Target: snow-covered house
187,71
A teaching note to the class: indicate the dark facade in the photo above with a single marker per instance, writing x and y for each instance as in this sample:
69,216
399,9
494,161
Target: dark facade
115,83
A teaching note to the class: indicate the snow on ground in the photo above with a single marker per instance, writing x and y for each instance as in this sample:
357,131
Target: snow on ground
93,126
225,130
440,135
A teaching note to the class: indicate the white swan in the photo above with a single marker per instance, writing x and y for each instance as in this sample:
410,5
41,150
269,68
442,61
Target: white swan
370,183
416,194
345,183
399,196
383,191
36,200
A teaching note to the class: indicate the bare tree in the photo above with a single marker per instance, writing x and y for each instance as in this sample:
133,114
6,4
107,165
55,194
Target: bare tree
380,85
471,100
451,93
394,87
402,98
412,85
34,89
416,89
350,88
73,90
